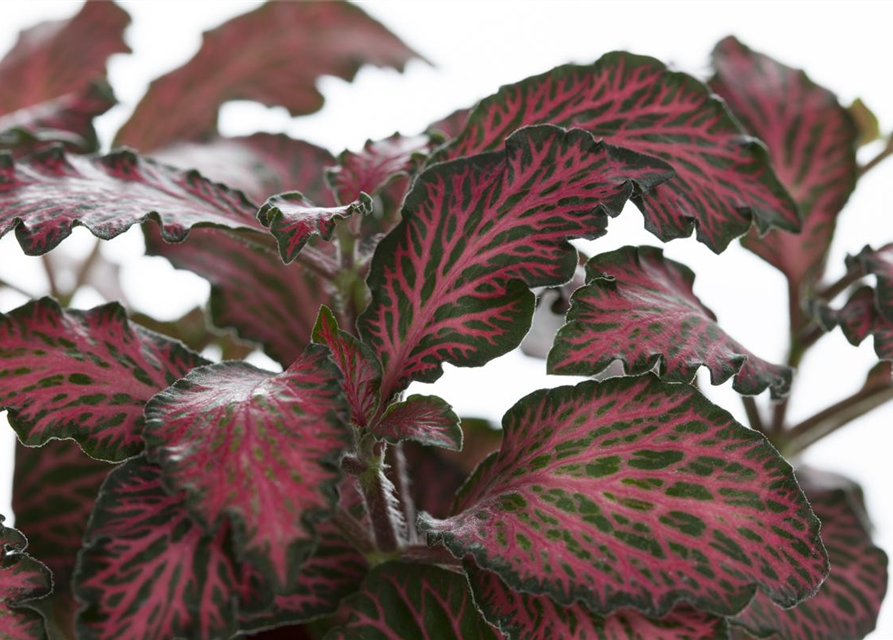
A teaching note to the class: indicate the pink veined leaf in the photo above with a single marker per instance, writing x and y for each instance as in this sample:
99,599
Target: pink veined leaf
376,165
61,57
259,165
860,318
359,367
258,449
634,493
638,307
428,420
44,195
812,142
848,602
146,571
85,375
521,616
451,282
53,492
272,55
400,601
293,220
22,579
67,120
878,263
723,177
335,571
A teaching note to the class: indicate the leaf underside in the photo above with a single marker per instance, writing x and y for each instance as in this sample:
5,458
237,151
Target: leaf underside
638,307
860,318
22,579
878,263
636,493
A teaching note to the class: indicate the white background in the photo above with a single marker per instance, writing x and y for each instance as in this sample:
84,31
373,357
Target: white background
477,46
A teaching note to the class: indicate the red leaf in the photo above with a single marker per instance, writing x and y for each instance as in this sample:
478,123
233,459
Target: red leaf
812,142
723,179
259,449
848,602
85,375
22,579
62,57
451,282
879,264
639,308
636,493
860,318
426,419
522,616
272,55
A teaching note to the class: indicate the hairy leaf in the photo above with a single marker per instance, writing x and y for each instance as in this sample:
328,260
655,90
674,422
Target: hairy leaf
359,368
67,120
259,449
846,606
146,571
636,493
451,282
273,55
401,601
53,493
61,57
85,375
22,579
638,307
259,165
860,318
723,178
878,263
521,616
44,195
293,220
812,142
426,419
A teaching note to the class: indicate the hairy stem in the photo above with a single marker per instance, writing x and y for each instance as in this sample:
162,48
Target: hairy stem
402,483
381,503
353,531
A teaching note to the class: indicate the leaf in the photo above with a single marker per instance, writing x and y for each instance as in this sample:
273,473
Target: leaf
272,55
521,616
866,122
878,263
633,493
146,571
723,178
67,120
450,126
335,571
259,449
551,308
61,57
860,318
85,375
426,419
812,143
293,220
359,368
638,307
44,195
451,282
22,579
258,165
401,601
848,602
53,493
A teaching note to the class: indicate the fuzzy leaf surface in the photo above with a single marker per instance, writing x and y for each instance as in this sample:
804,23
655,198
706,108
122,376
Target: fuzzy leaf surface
293,220
61,57
812,142
723,178
148,572
451,283
639,307
428,420
847,605
259,449
53,492
22,578
521,616
878,263
44,195
273,55
401,601
85,375
636,493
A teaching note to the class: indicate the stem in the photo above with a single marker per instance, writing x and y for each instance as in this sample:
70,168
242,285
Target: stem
16,288
86,267
430,555
879,158
402,483
795,352
378,492
753,414
353,531
836,288
51,276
